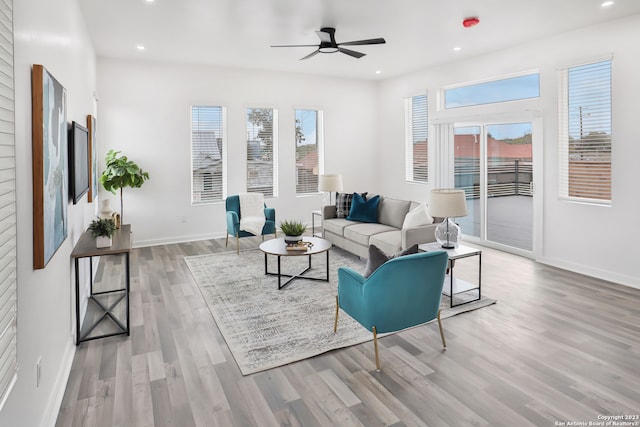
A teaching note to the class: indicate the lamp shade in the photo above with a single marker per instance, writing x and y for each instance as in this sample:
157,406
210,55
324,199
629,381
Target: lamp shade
448,203
330,183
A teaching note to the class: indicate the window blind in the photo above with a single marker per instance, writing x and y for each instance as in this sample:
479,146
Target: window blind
262,141
308,140
585,132
208,154
8,356
417,138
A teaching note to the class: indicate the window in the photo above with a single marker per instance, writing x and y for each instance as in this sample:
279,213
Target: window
511,89
585,132
262,151
8,307
417,138
308,141
208,154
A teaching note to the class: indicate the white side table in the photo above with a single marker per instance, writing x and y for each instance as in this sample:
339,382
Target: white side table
456,286
317,213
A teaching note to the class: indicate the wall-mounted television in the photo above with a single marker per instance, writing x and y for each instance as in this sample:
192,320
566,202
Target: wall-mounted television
78,161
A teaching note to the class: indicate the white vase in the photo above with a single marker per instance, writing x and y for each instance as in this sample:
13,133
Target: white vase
103,242
105,208
292,239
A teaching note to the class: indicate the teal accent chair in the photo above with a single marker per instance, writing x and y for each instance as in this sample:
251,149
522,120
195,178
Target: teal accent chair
232,204
401,293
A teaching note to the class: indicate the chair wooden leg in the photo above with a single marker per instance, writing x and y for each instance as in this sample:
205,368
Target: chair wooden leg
444,343
226,243
237,244
335,324
375,345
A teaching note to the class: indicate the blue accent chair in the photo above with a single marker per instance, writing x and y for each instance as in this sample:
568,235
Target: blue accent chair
233,213
401,293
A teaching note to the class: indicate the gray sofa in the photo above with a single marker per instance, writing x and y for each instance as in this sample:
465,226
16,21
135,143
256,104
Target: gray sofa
387,234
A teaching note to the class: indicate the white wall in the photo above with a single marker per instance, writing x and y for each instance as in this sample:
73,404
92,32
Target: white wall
51,33
144,111
595,240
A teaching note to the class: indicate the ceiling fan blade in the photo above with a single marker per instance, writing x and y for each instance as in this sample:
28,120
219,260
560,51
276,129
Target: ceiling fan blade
363,42
314,53
351,52
295,45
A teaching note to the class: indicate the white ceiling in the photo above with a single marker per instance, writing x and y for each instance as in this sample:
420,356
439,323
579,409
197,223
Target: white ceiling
419,33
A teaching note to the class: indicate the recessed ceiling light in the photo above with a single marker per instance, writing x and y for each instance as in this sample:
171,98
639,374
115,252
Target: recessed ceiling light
140,47
457,49
607,3
378,71
149,1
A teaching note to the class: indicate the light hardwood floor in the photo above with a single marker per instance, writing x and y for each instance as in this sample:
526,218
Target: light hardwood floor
557,347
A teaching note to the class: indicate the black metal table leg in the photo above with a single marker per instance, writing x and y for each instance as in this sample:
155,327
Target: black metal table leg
127,289
77,262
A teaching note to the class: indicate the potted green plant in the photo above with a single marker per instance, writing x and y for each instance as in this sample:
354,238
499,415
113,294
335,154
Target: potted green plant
102,230
293,230
120,173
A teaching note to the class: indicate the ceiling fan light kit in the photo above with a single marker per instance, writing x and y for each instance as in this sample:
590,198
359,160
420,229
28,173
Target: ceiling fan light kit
328,44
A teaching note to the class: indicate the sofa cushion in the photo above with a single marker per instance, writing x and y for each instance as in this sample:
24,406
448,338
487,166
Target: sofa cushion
361,232
343,203
364,210
389,241
392,211
377,257
417,217
337,225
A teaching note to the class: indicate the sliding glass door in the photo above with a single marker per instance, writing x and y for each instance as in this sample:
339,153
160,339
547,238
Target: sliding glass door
493,163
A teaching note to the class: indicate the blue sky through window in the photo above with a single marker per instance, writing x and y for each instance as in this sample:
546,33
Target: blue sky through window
510,89
307,120
590,99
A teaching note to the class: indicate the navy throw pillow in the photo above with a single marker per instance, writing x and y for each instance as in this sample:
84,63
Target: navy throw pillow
364,210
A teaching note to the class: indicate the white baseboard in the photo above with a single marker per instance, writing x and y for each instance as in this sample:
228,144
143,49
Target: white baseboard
55,400
610,276
177,239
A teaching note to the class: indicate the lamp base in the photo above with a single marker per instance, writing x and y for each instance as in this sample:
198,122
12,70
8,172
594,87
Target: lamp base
448,234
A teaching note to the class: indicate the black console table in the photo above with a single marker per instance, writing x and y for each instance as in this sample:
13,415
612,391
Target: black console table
104,302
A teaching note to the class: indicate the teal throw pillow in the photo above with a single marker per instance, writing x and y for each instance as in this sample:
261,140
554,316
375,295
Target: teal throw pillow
364,210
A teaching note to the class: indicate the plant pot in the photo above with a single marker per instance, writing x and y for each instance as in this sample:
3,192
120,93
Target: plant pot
103,242
292,239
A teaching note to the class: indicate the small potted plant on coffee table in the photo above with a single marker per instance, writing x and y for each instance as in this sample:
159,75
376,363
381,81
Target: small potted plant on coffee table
102,230
293,231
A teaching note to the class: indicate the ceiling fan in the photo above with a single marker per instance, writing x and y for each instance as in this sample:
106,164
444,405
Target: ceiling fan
328,44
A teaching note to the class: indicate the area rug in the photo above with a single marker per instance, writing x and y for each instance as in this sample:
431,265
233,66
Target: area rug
265,327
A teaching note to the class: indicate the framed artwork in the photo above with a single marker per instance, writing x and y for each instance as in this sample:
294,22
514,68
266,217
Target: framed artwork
93,163
50,174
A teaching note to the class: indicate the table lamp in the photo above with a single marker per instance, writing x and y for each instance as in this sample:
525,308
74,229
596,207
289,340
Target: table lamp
447,204
330,183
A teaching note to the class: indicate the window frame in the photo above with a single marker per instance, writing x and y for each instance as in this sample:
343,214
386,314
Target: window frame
319,169
274,146
224,156
564,133
8,285
410,160
442,93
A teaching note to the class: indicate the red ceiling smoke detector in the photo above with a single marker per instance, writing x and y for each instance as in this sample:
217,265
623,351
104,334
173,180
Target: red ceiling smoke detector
470,22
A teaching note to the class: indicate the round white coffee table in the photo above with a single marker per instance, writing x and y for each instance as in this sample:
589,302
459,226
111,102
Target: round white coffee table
278,248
